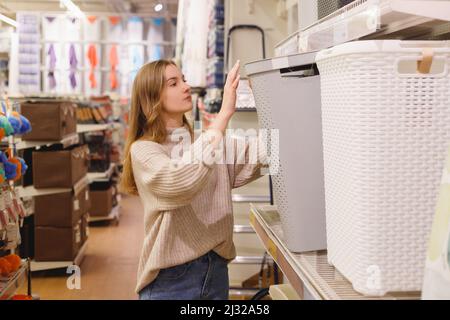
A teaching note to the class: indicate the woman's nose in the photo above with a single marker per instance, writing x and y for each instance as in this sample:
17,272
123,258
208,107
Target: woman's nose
187,88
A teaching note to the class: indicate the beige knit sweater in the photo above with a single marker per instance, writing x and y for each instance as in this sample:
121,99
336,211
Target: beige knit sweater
187,206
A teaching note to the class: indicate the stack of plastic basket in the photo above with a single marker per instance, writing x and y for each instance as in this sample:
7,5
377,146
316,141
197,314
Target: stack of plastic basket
386,127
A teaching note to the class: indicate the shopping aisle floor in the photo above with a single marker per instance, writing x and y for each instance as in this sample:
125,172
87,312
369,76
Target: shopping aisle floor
109,268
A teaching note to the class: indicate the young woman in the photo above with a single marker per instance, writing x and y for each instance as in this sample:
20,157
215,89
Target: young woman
188,210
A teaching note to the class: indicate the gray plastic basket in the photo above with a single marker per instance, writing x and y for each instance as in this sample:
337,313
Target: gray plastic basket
287,96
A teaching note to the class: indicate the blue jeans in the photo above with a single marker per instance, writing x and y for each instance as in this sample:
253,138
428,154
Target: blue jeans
205,278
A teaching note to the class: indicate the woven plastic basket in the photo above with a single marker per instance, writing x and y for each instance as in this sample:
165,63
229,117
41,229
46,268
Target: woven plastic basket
385,128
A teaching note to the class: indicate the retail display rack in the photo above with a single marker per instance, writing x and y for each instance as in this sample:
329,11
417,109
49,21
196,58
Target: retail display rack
372,19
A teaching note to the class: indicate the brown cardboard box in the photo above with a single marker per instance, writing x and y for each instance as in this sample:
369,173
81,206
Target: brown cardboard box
101,202
50,120
61,209
84,228
57,244
59,169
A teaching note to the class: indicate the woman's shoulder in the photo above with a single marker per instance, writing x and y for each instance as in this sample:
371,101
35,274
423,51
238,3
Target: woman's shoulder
145,145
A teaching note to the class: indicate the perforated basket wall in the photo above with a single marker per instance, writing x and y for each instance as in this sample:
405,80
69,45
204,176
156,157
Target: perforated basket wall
326,7
385,137
296,150
261,85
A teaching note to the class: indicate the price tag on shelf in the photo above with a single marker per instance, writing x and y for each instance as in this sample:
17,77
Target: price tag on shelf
76,205
78,233
340,32
252,218
272,248
12,236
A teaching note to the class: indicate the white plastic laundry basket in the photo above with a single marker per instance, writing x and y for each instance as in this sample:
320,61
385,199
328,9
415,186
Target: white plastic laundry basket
287,96
385,133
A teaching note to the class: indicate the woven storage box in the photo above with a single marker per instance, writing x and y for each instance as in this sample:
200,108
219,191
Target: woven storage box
386,128
287,96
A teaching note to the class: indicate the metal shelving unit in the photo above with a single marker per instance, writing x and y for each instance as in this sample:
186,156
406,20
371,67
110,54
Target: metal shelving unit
113,216
50,265
102,176
309,273
65,142
246,198
31,191
371,19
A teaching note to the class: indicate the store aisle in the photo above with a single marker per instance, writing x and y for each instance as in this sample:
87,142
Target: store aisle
109,268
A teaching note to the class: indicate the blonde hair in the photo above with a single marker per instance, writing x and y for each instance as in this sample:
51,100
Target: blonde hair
145,121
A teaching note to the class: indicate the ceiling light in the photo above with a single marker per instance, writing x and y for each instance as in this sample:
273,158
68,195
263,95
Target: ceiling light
73,8
158,7
8,20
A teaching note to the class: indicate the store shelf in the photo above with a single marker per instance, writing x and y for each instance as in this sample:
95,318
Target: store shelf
243,229
242,292
246,198
245,109
66,142
309,273
102,176
9,286
372,19
51,265
31,191
83,128
114,215
251,260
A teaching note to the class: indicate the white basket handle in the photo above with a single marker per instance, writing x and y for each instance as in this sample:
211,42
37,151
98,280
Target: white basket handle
424,65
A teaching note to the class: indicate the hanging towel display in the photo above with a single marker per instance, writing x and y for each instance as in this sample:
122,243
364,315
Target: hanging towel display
29,79
113,61
115,30
92,28
115,35
72,56
92,57
51,67
51,28
136,56
194,56
72,29
93,54
155,37
73,66
135,29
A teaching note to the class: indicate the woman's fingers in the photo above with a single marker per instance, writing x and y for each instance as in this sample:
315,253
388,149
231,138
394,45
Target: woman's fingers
233,73
236,82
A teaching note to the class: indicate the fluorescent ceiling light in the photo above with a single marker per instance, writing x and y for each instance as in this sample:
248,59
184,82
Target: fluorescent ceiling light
8,20
158,7
73,8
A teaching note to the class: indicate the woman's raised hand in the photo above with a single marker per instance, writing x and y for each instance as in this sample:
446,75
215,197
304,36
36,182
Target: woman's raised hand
229,93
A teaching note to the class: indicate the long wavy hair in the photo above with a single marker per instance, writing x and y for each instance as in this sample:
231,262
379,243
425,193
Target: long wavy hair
145,121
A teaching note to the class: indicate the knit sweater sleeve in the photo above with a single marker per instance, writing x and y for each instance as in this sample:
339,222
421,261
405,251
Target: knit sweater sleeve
249,156
174,182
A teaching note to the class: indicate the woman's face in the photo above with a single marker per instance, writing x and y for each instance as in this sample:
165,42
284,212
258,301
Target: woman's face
177,93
